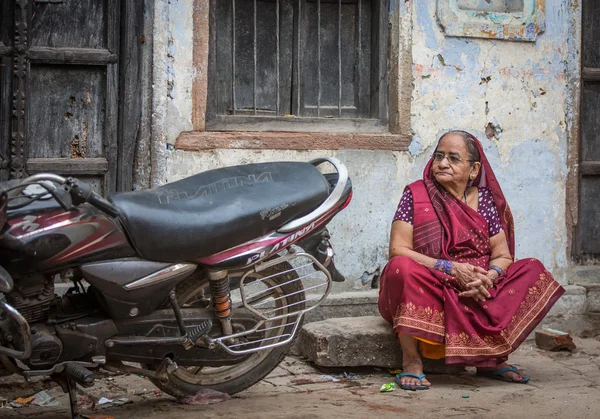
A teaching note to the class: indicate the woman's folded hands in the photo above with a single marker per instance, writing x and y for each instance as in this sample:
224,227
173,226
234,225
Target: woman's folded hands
472,280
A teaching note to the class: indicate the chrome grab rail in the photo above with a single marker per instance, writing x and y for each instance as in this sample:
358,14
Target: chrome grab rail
329,203
264,323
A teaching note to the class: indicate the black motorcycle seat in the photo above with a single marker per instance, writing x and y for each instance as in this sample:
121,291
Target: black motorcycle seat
215,210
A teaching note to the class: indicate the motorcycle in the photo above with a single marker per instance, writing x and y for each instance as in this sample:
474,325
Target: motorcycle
200,283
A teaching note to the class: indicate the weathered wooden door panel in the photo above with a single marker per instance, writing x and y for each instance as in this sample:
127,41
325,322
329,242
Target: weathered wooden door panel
6,39
588,230
131,68
307,58
59,88
336,53
70,24
234,47
5,87
72,89
589,188
65,67
67,117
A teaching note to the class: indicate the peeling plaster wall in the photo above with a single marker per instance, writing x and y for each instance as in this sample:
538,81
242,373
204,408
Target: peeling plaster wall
518,90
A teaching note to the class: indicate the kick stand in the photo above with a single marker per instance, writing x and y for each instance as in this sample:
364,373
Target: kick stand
72,390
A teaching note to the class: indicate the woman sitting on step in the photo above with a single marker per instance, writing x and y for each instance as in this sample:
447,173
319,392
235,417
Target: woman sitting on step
451,288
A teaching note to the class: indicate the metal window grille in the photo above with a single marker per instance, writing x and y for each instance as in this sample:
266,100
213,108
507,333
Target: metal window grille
307,59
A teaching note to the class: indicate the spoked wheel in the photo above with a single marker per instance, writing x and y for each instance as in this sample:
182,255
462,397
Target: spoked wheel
279,290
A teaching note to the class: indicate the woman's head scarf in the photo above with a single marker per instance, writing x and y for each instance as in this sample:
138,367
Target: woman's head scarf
486,178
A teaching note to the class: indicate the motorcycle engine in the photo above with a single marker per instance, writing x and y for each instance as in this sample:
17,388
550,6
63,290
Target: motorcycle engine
32,297
46,347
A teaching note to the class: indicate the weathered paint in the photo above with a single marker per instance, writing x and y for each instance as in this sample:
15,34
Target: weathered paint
518,91
492,20
515,93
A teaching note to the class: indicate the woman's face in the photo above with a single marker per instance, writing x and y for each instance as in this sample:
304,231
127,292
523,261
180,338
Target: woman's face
453,169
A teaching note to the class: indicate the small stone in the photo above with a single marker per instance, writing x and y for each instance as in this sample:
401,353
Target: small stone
554,340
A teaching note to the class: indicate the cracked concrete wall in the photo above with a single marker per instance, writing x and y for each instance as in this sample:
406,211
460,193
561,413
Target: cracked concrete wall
515,93
514,96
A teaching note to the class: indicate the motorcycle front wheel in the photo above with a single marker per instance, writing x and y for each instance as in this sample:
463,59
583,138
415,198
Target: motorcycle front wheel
285,292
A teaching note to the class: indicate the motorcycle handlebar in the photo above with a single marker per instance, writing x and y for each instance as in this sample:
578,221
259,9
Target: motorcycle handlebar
80,191
83,192
37,178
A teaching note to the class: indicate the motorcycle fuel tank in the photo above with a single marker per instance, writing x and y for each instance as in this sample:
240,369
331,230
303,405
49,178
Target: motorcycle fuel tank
52,238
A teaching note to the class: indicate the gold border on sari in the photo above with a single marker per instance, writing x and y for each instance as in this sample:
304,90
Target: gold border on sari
465,345
420,318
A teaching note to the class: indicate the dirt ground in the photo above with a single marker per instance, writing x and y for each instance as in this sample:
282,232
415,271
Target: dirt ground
563,385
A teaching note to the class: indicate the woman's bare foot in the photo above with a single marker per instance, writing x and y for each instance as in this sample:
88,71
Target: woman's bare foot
518,376
414,366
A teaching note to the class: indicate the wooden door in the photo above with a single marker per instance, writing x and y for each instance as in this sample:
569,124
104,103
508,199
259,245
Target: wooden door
588,229
6,41
63,86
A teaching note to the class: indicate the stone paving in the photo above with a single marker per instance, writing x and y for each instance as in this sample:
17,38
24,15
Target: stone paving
563,385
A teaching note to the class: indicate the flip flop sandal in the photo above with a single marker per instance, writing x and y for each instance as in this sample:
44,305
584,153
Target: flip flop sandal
497,375
411,386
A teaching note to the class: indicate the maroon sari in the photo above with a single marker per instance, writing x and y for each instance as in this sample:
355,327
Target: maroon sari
424,302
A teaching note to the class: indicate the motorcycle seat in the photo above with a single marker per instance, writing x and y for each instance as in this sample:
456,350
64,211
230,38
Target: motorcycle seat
215,210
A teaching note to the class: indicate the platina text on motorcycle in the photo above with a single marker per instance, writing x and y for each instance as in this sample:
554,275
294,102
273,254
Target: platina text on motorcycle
201,283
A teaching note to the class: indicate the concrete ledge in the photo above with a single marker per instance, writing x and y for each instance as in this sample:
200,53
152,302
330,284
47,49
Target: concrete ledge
577,325
346,304
581,275
573,302
350,342
357,342
199,141
593,297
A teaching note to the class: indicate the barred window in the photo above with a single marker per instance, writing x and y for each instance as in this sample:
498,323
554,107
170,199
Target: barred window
298,65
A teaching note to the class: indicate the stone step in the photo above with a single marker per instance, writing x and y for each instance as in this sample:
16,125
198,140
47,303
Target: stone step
345,304
582,275
357,342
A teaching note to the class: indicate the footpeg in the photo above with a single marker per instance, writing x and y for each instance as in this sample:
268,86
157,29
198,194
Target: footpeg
81,375
189,339
199,331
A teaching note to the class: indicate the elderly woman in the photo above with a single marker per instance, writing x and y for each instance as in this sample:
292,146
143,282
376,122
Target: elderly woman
451,288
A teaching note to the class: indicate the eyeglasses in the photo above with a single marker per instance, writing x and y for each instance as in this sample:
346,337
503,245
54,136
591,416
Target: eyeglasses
438,156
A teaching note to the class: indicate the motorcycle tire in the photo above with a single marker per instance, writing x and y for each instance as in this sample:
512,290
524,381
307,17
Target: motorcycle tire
187,381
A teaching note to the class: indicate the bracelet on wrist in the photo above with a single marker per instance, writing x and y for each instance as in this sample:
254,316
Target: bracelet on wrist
447,267
444,266
497,269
